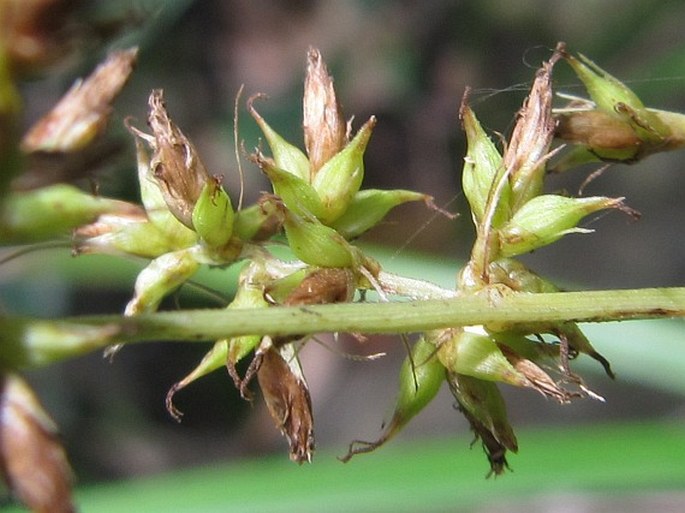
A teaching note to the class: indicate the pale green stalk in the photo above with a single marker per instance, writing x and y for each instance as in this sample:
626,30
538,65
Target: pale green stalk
26,342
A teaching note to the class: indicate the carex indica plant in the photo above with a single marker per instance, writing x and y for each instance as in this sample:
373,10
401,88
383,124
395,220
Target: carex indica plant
318,207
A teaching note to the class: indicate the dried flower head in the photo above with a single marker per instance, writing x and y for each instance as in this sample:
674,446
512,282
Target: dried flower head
32,459
175,163
82,113
324,124
528,148
287,397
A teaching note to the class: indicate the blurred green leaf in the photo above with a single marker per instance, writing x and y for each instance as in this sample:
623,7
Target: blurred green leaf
427,476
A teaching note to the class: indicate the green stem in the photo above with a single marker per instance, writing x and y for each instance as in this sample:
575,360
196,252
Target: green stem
31,342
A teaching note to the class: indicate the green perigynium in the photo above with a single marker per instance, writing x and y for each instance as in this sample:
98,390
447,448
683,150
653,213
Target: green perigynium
340,178
547,218
369,206
421,377
261,221
472,352
482,404
286,156
213,215
52,212
483,167
296,193
317,244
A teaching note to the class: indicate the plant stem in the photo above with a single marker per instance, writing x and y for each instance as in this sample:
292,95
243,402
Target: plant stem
594,306
31,342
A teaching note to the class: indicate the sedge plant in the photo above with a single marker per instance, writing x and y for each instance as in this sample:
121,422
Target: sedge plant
502,324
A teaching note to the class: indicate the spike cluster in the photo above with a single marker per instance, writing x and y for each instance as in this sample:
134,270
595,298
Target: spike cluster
513,215
318,201
187,220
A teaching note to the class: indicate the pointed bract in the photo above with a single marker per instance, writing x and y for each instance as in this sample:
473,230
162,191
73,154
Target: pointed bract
483,168
286,156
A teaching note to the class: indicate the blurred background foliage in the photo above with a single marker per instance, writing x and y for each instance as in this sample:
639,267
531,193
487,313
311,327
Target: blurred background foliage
408,63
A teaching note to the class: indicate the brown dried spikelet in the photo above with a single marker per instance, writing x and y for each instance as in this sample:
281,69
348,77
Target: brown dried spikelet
33,461
324,123
175,163
539,380
323,286
320,287
532,137
495,451
82,113
597,130
287,397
